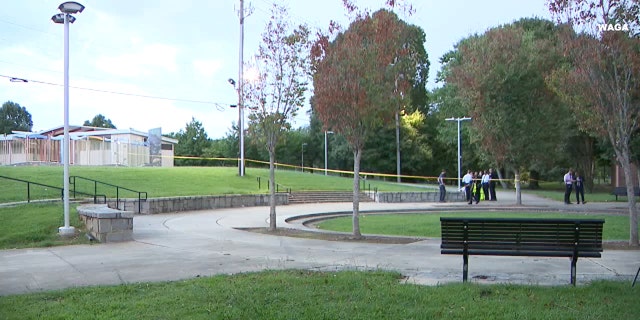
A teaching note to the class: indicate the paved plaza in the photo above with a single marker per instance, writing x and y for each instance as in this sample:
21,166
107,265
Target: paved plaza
202,243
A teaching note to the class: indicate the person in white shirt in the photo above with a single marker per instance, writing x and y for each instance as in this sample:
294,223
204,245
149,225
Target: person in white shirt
467,181
485,185
568,182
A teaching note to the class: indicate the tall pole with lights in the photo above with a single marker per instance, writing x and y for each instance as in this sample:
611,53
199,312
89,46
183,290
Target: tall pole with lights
67,9
325,150
459,145
302,157
240,88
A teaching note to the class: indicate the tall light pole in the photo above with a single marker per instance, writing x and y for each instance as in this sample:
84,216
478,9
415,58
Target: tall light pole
240,126
325,150
459,145
241,15
302,157
65,18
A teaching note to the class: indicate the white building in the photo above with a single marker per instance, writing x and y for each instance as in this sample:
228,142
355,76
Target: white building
89,146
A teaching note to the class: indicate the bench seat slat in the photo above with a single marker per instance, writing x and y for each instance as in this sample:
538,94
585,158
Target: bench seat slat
478,252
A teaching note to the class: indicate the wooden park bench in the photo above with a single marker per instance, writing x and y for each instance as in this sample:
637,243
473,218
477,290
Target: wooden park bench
622,191
571,238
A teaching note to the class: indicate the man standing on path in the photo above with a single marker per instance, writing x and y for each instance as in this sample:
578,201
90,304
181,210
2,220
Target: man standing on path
443,190
467,181
568,182
579,187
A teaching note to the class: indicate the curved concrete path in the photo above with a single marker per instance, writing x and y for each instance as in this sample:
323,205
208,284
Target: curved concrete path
186,245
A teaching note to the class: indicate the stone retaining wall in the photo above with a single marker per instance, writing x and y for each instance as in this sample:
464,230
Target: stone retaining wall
191,203
397,197
106,224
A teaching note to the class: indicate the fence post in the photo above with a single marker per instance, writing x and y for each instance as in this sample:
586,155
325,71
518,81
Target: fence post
28,192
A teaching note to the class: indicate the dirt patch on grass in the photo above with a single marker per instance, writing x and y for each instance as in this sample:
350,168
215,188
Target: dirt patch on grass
331,236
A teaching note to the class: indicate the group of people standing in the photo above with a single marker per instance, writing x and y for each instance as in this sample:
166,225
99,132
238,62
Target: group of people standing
572,179
475,182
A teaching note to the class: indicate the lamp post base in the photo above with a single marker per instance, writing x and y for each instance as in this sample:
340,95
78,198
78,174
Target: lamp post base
66,231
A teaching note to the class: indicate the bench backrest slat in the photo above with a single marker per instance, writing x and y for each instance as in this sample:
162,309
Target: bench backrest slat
522,234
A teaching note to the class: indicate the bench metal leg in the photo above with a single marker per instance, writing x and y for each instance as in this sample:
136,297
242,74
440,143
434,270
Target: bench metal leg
635,278
465,267
574,261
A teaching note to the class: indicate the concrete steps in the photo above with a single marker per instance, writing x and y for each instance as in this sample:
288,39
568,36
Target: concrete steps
325,196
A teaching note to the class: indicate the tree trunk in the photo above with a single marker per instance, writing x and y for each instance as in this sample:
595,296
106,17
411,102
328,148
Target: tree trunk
623,158
502,182
357,155
517,183
272,191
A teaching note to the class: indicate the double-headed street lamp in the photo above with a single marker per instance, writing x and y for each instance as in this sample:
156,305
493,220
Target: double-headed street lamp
459,145
65,18
325,150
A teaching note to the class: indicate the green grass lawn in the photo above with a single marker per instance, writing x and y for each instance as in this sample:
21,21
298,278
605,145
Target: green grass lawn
291,294
296,294
176,181
36,225
428,224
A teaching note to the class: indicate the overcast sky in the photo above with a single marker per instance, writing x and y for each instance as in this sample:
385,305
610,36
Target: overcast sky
183,51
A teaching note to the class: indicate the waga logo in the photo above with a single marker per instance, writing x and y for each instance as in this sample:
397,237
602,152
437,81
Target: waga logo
613,27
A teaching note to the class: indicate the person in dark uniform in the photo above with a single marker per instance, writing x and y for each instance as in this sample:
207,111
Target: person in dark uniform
477,180
493,177
579,182
443,189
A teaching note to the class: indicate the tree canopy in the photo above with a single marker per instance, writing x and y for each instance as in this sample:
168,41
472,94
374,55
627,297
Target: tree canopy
275,97
601,80
99,121
192,142
500,76
361,78
14,117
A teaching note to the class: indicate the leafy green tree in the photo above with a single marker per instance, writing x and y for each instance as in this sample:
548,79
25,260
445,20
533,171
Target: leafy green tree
278,93
500,77
14,117
99,121
360,80
192,142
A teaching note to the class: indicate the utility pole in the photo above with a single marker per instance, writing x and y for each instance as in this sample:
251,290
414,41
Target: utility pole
241,15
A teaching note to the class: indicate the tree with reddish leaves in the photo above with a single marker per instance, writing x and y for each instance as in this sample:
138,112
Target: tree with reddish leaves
360,78
602,80
499,77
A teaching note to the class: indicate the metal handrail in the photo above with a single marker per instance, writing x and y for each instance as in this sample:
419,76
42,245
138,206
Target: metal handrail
72,181
29,183
278,186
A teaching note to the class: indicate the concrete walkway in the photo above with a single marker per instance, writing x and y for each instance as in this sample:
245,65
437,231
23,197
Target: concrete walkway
186,245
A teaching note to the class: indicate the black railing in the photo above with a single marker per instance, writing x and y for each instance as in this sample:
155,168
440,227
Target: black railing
31,183
278,186
366,186
72,181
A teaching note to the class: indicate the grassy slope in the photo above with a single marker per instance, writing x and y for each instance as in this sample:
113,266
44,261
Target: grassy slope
178,181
